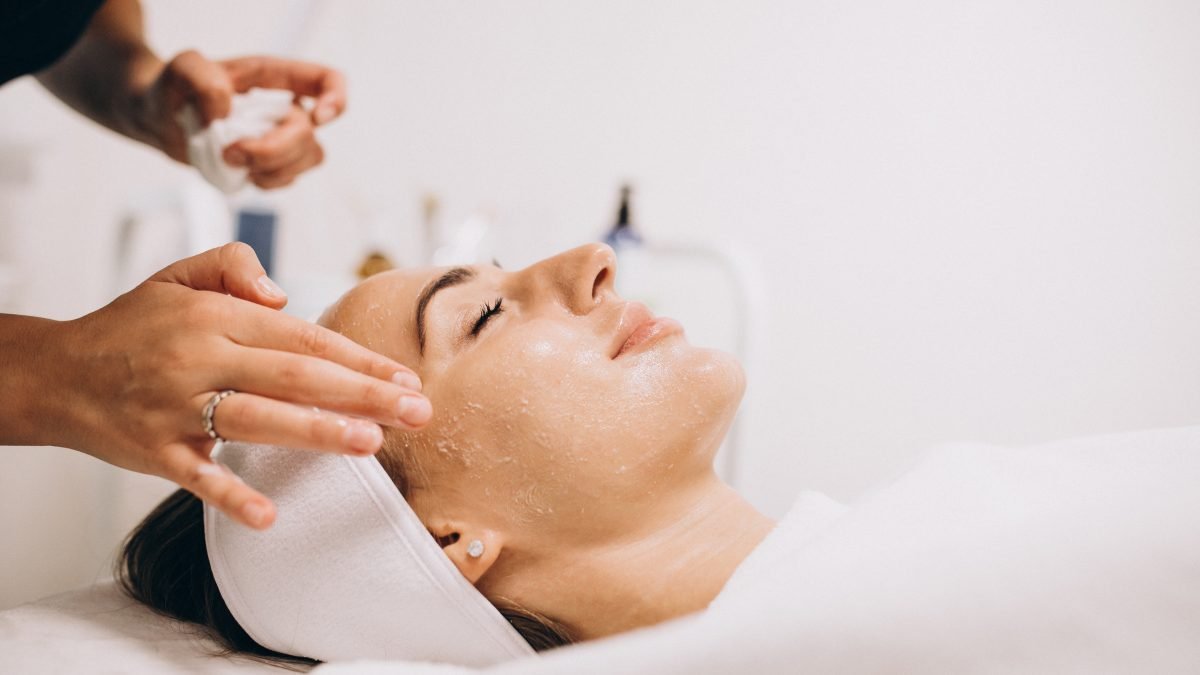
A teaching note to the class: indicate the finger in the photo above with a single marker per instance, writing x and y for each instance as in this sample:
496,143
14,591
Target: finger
309,381
287,142
286,175
216,485
332,103
256,419
327,85
232,268
274,181
267,330
204,83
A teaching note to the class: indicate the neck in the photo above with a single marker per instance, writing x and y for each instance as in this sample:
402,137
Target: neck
674,565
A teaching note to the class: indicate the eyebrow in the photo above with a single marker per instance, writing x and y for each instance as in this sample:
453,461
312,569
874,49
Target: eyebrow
452,277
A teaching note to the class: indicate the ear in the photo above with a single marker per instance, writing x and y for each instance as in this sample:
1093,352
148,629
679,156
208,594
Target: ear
456,541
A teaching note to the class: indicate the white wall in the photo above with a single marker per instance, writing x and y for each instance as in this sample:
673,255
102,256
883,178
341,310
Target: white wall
977,220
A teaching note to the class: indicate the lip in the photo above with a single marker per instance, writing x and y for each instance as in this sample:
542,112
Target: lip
639,327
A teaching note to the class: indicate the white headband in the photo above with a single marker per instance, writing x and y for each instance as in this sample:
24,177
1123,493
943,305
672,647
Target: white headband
347,571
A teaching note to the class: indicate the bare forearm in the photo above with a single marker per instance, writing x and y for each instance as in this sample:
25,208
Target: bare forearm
105,75
29,397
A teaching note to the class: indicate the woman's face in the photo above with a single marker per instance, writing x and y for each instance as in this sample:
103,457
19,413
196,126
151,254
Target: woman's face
562,413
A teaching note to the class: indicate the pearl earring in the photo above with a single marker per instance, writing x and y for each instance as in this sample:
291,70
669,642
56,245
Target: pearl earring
475,548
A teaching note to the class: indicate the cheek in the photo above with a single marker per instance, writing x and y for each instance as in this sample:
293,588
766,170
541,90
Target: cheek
538,424
513,400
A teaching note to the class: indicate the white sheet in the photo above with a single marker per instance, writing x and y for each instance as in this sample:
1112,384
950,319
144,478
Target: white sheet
1075,557
99,630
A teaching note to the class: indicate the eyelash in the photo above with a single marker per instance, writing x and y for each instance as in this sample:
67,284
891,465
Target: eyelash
486,313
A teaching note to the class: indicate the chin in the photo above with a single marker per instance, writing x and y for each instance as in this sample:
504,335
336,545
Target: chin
713,385
721,371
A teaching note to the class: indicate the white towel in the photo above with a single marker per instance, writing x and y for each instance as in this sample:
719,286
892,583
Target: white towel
251,115
1079,556
347,571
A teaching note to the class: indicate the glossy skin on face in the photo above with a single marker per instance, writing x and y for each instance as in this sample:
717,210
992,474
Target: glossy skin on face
538,432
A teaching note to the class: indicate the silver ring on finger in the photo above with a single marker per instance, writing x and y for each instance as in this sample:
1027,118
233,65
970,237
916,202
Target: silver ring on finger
210,409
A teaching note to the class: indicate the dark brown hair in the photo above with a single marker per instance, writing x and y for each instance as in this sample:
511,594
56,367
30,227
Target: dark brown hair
164,564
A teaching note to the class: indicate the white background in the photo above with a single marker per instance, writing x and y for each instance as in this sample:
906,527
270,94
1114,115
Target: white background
975,220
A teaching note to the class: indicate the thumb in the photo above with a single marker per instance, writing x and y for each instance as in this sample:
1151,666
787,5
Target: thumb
197,80
232,268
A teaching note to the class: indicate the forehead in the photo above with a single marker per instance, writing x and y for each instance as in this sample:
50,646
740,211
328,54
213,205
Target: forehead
379,312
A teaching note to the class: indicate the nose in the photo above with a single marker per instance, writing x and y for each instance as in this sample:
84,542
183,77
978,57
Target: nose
579,278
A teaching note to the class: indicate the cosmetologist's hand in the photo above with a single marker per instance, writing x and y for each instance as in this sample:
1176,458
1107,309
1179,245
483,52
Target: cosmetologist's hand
275,159
135,376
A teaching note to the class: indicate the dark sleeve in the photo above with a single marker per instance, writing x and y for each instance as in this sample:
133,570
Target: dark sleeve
36,33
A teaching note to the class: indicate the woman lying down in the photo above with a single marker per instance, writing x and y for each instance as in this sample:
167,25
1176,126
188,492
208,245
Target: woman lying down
564,492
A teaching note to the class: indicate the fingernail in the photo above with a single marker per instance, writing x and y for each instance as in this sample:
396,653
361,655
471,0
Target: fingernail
255,514
235,158
415,410
407,380
323,114
209,469
270,288
363,437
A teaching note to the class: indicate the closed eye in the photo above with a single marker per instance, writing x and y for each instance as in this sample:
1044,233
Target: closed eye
485,314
